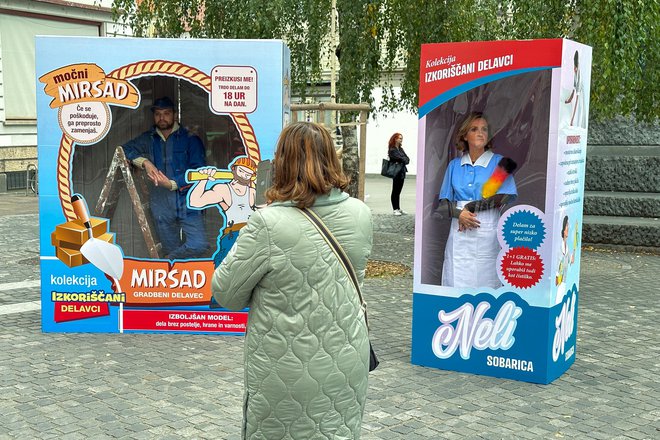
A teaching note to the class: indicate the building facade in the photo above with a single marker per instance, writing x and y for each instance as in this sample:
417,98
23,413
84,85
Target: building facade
20,22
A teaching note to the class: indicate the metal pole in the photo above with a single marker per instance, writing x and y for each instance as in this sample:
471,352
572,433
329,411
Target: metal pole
363,153
333,66
333,57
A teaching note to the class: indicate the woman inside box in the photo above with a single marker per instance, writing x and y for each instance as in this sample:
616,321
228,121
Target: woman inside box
476,187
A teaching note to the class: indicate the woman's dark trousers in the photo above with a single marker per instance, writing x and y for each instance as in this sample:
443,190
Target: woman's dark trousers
397,186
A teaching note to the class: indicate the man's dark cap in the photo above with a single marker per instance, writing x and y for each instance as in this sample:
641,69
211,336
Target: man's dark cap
162,103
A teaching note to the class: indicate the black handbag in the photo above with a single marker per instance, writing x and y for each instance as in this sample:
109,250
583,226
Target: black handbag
390,169
373,360
343,259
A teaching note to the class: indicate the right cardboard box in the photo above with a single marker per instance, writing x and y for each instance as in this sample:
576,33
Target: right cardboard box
501,166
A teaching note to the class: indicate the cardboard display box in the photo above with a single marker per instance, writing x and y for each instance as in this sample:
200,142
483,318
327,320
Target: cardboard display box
500,297
104,106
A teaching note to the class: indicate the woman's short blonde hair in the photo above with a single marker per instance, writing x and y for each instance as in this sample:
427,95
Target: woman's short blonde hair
461,143
305,165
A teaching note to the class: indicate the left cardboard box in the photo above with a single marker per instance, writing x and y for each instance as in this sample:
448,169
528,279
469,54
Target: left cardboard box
148,150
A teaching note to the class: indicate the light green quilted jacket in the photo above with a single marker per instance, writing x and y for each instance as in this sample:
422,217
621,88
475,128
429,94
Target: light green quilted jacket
306,345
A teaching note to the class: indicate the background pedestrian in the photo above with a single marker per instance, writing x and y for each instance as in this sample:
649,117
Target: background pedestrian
396,154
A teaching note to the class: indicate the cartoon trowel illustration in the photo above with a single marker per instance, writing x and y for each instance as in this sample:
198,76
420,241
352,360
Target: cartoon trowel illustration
103,255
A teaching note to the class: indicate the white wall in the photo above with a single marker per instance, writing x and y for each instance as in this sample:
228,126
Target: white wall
379,131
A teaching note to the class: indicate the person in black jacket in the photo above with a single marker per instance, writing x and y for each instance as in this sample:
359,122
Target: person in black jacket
165,152
396,154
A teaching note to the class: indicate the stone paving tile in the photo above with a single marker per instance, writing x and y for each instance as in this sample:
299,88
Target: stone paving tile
185,386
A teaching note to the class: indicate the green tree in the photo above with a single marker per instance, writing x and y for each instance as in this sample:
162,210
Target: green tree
625,35
380,40
625,38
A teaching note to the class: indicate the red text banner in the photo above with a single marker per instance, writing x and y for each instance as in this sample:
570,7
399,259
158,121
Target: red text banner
446,66
185,321
71,311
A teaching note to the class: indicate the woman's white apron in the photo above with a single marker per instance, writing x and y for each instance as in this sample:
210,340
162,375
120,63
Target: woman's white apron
471,256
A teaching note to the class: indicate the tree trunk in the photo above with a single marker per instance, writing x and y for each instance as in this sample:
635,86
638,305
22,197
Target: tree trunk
350,158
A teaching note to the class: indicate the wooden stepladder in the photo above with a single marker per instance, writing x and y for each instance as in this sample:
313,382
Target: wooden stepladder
119,175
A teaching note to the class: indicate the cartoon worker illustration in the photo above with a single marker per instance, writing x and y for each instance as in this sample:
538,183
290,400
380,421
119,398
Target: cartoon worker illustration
235,198
566,258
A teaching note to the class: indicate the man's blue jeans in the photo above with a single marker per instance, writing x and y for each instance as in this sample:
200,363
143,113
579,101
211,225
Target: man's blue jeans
172,217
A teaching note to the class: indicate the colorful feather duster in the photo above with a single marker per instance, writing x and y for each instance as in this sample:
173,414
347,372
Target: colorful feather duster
504,168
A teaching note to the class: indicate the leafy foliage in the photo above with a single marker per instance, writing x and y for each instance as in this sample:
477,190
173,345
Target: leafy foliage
625,38
625,35
380,40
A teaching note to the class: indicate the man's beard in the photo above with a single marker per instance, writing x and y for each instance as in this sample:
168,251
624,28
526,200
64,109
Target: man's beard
242,181
164,125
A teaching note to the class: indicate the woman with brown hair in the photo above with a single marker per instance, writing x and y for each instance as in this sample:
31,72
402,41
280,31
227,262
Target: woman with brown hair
472,246
306,344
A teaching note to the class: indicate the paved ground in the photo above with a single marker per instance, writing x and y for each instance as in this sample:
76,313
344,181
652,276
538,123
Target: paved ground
89,386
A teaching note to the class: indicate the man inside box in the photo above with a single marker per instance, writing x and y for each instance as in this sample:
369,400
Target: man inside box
165,152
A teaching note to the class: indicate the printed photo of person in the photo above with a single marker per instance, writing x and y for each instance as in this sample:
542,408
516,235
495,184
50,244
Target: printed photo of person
576,98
